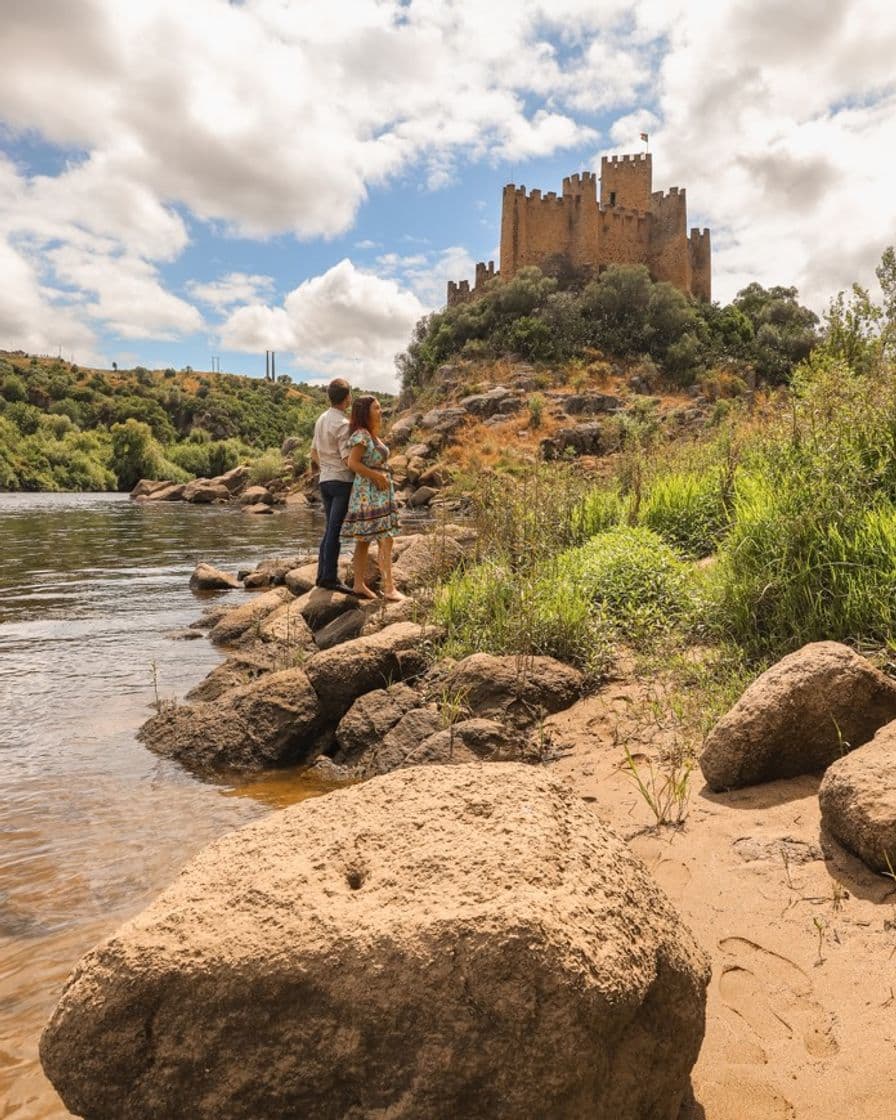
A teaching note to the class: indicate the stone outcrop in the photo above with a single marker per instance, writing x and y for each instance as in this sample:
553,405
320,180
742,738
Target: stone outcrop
205,577
516,690
341,674
204,491
858,800
590,404
798,717
236,622
435,943
201,491
268,723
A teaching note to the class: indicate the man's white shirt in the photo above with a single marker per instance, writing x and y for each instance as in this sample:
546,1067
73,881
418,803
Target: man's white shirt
331,444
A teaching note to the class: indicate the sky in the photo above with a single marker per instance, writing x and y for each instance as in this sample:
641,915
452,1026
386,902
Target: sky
182,181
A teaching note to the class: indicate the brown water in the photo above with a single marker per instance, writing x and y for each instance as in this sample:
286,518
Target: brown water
92,825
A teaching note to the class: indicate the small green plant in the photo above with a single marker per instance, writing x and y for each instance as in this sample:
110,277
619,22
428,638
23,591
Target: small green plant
666,791
536,408
821,927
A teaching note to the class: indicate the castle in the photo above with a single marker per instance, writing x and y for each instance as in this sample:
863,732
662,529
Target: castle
632,224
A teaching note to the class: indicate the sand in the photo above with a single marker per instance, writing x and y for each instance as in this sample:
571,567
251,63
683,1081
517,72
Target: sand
801,1013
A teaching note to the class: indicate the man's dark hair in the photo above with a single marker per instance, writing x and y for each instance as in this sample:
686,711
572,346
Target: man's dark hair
338,390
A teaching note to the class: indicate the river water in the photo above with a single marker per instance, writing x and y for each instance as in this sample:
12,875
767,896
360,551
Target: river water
92,825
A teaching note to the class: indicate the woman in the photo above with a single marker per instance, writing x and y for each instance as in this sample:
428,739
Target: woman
372,512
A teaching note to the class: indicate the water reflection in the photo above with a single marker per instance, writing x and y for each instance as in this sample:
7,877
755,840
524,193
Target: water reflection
92,825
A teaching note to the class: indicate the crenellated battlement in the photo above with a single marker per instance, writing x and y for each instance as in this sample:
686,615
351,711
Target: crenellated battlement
616,218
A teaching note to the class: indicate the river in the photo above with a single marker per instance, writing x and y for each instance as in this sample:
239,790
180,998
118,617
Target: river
92,825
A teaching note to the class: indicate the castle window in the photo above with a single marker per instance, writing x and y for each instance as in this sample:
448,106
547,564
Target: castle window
612,198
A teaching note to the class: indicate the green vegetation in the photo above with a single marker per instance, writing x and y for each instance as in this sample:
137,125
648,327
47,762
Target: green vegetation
622,313
792,494
65,428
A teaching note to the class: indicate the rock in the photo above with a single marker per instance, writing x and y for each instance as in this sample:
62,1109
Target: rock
418,451
257,581
516,690
325,771
590,404
296,500
798,717
268,723
183,635
433,943
370,718
230,674
424,559
234,479
203,492
273,571
289,445
257,507
858,800
301,579
445,420
488,404
342,673
321,606
422,496
341,629
434,477
255,494
208,578
287,627
171,492
399,746
401,430
237,621
420,738
584,439
147,486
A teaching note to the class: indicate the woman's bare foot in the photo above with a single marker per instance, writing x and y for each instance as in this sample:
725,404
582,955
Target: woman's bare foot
363,592
393,596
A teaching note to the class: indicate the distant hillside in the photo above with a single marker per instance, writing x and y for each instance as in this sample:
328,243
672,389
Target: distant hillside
64,427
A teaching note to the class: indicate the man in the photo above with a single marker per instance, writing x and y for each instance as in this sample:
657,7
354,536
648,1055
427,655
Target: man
329,451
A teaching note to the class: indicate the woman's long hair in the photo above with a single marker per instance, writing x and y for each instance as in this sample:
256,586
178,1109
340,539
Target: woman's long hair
362,416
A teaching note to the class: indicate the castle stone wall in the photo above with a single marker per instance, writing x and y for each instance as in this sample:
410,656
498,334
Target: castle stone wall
626,223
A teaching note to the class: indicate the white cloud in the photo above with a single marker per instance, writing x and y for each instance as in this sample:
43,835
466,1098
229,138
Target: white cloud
781,122
235,287
343,323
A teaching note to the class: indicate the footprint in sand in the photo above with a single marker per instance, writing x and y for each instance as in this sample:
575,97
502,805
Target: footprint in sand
672,875
774,997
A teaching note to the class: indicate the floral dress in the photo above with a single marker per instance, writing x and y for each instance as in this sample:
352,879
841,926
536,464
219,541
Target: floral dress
372,514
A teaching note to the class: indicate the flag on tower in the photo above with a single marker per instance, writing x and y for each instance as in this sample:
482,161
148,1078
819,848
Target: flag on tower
644,137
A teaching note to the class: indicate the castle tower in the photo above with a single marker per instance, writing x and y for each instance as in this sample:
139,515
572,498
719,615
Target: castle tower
626,182
631,224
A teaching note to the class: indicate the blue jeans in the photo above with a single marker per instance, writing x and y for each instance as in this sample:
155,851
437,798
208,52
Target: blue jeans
335,497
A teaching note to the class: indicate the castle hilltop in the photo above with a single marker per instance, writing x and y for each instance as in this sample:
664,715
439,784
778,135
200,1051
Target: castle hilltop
632,224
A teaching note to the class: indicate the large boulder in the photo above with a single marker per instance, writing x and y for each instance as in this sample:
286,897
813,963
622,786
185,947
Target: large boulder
370,718
858,800
798,717
204,491
488,404
234,479
341,674
236,622
271,722
147,486
254,494
590,404
440,942
206,577
425,558
518,691
170,492
421,738
286,626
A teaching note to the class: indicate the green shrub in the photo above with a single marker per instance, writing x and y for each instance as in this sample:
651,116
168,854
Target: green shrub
600,509
688,510
266,467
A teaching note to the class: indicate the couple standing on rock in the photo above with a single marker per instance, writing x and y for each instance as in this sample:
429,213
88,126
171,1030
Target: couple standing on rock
357,491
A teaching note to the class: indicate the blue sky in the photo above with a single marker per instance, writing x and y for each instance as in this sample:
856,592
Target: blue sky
178,181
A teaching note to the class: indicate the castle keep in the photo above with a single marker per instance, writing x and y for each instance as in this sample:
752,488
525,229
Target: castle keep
632,224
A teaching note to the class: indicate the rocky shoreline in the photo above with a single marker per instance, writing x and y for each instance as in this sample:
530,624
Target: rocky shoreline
456,903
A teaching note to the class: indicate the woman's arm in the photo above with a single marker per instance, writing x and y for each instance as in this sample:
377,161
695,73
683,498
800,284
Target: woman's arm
378,478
